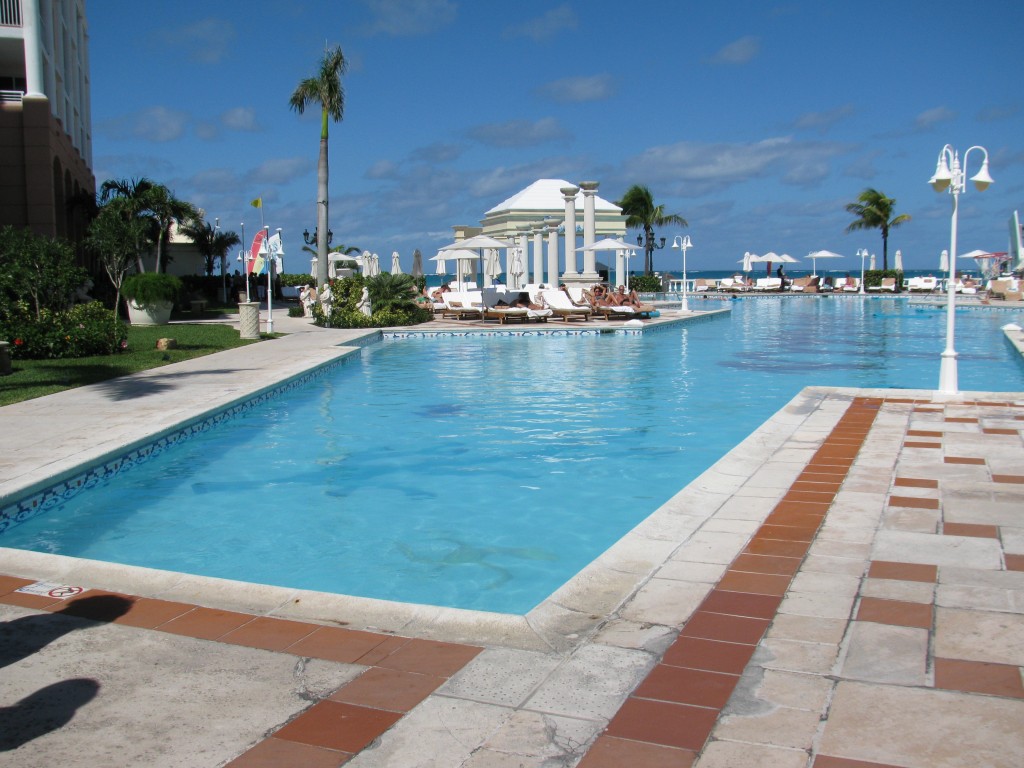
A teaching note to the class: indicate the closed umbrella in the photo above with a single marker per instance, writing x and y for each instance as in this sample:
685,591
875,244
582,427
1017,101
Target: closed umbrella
944,261
374,265
396,265
748,261
899,261
417,263
871,263
442,267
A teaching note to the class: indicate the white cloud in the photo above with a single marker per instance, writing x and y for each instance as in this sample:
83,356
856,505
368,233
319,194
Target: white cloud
519,133
738,52
822,121
206,40
281,170
579,89
546,26
158,124
240,119
705,168
409,18
933,117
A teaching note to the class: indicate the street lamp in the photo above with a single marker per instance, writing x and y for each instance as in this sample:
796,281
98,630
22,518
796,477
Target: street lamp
682,243
311,239
863,253
649,246
950,175
223,265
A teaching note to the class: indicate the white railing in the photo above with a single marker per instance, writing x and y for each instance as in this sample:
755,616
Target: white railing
10,13
11,97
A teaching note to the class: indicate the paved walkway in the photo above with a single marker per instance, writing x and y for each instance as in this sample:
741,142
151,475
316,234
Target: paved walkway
845,589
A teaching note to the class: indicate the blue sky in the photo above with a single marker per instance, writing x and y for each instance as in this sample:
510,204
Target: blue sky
756,122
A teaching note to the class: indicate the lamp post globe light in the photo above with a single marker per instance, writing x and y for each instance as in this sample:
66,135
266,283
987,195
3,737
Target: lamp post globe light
682,242
649,247
863,253
950,175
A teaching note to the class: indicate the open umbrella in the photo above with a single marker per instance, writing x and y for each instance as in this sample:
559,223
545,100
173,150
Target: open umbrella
815,255
475,245
461,256
417,263
396,265
607,244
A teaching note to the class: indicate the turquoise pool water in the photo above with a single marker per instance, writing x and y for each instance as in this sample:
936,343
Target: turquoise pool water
484,472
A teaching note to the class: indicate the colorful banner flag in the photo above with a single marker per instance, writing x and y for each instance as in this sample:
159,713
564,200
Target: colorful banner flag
256,263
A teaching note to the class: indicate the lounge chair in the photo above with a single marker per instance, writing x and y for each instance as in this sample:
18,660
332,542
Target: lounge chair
496,307
923,284
887,284
700,285
463,305
563,307
768,284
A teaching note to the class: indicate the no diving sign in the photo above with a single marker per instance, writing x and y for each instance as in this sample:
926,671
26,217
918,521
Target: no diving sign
49,589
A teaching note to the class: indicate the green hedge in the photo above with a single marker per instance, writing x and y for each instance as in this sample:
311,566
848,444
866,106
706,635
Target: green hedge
82,331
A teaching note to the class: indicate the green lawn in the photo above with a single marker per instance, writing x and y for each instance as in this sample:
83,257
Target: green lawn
35,378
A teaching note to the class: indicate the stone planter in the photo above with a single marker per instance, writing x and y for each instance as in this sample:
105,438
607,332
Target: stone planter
152,314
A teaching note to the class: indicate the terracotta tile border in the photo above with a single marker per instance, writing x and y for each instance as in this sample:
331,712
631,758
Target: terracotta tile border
679,703
400,673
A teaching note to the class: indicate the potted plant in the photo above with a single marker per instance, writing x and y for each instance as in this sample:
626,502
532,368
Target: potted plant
151,296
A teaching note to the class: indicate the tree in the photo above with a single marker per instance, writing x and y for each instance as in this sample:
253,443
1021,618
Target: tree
875,211
392,292
37,270
641,213
152,202
324,89
113,238
211,242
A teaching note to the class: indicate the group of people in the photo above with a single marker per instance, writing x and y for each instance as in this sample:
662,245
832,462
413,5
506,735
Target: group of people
604,297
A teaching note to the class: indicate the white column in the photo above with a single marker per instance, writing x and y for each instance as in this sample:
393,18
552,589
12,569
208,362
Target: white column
589,228
552,272
537,230
33,48
524,253
569,195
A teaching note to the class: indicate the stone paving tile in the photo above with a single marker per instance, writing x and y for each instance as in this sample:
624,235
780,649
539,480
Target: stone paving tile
915,727
883,653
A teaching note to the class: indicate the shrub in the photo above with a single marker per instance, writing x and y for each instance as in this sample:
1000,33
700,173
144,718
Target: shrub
82,331
149,288
645,283
394,305
289,280
296,312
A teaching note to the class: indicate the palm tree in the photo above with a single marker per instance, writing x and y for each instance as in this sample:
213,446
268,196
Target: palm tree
875,211
641,213
392,292
324,89
153,202
211,242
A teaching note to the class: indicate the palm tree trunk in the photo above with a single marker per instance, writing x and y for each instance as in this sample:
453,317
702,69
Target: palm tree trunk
322,206
885,250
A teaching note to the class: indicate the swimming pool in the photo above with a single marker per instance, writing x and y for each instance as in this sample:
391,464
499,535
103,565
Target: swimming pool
484,472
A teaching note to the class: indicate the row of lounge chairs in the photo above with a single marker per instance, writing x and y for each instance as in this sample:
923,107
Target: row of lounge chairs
545,303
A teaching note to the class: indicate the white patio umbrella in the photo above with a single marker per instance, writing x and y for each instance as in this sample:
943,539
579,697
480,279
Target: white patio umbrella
614,244
871,263
898,263
417,263
374,265
944,261
748,261
515,269
462,256
396,265
815,255
475,245
768,258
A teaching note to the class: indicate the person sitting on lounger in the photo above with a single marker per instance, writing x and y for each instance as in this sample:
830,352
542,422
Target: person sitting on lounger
623,299
601,298
438,294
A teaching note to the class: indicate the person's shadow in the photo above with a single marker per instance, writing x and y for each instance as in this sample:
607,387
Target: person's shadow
21,637
55,705
44,711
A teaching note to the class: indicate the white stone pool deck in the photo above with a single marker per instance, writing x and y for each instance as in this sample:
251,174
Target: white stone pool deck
845,589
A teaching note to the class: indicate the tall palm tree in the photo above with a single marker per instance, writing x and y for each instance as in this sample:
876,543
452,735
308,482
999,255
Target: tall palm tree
875,211
324,89
641,213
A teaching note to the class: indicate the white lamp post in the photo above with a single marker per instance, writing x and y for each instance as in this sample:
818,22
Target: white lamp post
863,253
682,243
950,175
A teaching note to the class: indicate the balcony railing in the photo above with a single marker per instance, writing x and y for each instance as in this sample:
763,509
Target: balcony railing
10,13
